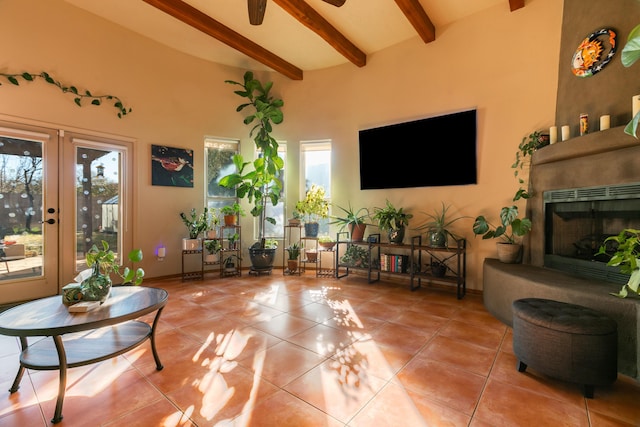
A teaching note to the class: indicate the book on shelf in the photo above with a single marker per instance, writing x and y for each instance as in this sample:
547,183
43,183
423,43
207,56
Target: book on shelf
394,263
84,306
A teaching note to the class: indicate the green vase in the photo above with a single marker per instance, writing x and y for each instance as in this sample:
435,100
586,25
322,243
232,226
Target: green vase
97,287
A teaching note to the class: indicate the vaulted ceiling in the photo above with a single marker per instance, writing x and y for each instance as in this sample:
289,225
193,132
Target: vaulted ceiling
295,35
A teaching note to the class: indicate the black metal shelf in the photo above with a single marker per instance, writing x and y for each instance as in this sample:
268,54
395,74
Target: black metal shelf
453,258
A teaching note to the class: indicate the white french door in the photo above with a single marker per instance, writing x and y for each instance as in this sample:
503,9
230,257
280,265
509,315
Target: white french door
28,212
60,193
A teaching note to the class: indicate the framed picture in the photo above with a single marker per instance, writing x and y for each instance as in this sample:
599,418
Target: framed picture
171,167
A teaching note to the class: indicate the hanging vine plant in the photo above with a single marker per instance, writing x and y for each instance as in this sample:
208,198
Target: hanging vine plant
80,96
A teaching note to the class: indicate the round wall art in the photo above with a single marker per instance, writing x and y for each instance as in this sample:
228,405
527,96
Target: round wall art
589,58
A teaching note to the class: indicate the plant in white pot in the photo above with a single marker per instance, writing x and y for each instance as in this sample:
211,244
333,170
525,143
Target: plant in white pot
259,181
510,230
213,250
196,224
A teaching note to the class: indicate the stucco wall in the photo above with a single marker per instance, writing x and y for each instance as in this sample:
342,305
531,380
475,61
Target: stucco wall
502,63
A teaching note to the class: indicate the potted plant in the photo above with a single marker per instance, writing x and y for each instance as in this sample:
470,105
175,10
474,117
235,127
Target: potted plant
438,268
624,253
231,213
526,148
630,54
230,265
326,242
195,224
103,262
355,256
511,228
352,220
214,222
213,248
437,227
296,218
233,241
294,253
313,207
392,220
262,184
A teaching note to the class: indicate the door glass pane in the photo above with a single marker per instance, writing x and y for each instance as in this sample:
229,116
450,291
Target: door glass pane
20,208
98,188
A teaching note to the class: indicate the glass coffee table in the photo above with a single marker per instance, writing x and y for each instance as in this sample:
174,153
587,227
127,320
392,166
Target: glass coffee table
80,339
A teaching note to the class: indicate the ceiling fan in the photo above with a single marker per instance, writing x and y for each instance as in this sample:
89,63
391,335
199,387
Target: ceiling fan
258,7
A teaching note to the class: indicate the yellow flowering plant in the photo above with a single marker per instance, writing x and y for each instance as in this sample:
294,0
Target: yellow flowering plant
314,206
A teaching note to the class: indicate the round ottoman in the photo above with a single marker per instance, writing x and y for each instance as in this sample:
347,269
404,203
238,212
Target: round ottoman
565,341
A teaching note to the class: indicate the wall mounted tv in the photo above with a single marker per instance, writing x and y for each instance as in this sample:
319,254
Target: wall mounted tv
436,151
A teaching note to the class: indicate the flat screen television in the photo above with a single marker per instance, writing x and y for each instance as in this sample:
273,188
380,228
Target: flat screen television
436,151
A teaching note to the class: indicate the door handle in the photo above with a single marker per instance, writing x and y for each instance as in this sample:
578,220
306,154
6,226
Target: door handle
49,221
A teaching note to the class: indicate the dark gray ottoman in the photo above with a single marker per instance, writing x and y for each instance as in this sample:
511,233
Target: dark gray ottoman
565,341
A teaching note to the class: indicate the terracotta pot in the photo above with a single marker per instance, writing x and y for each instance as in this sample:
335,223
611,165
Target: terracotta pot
357,232
509,253
229,220
312,256
292,265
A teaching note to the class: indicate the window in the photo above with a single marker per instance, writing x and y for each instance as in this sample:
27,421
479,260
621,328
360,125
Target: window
315,166
219,157
277,212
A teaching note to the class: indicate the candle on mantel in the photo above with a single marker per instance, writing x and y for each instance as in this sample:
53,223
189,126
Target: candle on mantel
566,132
605,122
553,134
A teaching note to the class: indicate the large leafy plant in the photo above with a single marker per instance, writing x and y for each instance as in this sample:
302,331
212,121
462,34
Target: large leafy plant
258,181
511,227
630,54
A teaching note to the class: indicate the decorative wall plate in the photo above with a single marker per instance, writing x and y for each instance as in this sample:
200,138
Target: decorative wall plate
589,58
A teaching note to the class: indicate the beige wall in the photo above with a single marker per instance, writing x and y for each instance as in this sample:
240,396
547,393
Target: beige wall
504,64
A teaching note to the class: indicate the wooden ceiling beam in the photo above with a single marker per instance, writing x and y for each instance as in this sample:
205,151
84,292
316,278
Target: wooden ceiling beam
415,13
516,4
200,21
308,16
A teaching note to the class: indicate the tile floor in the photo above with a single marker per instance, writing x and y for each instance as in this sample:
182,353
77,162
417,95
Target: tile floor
300,351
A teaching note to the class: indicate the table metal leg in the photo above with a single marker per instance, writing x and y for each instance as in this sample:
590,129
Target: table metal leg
159,366
62,357
16,383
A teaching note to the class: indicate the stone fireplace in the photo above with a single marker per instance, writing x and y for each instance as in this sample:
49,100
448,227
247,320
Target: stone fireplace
586,188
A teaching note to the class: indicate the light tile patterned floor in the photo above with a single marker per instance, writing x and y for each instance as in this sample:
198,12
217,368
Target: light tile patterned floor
300,351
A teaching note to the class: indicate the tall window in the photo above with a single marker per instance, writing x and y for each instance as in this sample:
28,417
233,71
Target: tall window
277,212
315,166
219,157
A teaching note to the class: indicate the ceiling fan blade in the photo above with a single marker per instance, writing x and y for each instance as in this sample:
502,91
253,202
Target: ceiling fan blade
336,3
256,11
